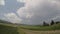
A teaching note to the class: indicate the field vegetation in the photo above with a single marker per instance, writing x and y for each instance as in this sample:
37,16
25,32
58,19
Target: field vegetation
8,28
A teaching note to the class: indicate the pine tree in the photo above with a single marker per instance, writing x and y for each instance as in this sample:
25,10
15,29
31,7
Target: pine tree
45,24
52,22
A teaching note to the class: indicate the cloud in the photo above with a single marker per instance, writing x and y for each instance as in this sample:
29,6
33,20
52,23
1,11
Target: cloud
13,18
21,0
2,2
37,11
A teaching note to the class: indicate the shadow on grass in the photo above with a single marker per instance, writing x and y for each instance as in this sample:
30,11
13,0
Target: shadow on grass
8,30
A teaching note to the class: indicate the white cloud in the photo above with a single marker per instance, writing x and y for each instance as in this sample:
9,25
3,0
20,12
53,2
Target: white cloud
21,0
13,18
39,10
2,2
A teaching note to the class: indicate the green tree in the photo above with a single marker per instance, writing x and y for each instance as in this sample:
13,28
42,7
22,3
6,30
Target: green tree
52,22
57,22
45,24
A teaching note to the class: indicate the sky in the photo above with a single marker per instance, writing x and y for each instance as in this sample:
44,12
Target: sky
9,6
32,12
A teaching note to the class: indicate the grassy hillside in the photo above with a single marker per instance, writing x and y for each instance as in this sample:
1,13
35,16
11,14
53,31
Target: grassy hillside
6,22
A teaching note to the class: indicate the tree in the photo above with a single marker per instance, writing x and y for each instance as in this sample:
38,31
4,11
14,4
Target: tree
45,24
57,22
52,22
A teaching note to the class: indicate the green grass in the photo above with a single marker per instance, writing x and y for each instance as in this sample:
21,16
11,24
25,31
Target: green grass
15,29
42,28
10,29
20,31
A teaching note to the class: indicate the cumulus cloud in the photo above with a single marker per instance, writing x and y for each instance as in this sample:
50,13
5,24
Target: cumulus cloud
13,18
2,2
37,11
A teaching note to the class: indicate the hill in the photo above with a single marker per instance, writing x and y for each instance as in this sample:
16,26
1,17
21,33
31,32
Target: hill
3,21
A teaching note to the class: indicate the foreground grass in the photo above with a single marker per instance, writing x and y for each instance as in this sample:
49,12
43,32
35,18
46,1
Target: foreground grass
22,29
41,32
42,28
10,29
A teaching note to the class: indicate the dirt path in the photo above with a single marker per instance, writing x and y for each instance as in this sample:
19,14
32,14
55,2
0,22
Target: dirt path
41,32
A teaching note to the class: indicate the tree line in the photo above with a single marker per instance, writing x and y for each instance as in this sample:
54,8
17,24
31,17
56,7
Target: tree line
51,23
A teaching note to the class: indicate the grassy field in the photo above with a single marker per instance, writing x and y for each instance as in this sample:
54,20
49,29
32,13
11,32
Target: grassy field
42,28
41,32
54,29
10,29
24,29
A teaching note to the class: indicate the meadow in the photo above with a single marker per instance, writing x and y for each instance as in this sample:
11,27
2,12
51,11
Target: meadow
28,29
10,29
42,28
